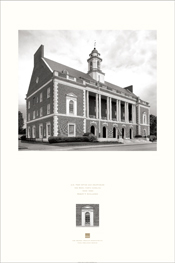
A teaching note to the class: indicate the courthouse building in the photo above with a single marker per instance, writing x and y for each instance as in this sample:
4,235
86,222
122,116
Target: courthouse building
65,101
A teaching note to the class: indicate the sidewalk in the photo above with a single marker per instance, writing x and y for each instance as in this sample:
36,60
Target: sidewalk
29,145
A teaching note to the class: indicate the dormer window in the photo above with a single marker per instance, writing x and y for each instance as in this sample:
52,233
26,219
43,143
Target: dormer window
37,79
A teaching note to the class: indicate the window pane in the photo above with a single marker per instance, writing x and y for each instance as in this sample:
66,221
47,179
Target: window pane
71,129
71,106
48,129
48,93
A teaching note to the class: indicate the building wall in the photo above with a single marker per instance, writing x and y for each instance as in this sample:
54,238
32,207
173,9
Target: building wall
142,110
63,125
37,123
41,71
63,90
109,126
43,104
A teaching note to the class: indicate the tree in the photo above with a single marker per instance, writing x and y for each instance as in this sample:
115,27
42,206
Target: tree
20,122
153,125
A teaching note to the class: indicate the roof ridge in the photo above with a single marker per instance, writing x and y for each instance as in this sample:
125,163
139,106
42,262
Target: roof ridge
66,66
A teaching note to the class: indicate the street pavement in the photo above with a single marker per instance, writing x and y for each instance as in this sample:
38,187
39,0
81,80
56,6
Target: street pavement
28,146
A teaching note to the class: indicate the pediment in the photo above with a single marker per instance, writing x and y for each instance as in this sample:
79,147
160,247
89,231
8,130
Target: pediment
71,95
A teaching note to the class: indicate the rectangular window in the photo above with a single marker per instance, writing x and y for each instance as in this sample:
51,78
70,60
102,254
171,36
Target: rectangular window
36,99
28,116
48,127
34,114
41,111
33,100
41,131
48,108
71,130
37,113
41,97
28,104
48,93
71,106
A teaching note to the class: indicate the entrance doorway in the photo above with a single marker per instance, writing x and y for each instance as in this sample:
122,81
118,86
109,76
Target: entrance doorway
130,134
87,218
114,132
123,133
93,130
104,132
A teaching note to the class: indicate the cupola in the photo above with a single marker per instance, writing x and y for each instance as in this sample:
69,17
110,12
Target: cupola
94,66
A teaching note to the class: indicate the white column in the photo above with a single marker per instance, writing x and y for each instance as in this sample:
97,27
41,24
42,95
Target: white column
83,218
87,106
55,126
119,110
134,113
148,121
91,218
99,106
84,98
125,111
110,108
139,131
55,96
96,106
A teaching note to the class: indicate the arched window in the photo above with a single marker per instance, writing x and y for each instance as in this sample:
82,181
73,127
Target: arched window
87,218
104,132
93,129
144,118
114,132
123,133
91,65
98,64
71,106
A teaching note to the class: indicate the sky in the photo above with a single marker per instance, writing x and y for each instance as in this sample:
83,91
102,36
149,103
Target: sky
129,57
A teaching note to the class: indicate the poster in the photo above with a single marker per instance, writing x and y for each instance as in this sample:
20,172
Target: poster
40,191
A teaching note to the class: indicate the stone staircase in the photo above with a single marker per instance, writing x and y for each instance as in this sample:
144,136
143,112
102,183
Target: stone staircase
134,141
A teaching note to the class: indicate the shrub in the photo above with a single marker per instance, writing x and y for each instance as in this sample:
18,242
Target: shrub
23,138
92,138
87,134
57,139
138,136
152,138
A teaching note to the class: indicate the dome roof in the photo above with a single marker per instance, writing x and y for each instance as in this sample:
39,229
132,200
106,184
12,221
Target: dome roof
94,51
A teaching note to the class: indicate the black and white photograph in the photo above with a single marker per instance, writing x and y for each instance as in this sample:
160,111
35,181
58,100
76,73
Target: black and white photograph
87,76
88,90
87,215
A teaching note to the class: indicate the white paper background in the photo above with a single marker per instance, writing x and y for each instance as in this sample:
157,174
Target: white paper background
37,205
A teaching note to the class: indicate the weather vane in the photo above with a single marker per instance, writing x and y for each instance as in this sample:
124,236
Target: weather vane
95,44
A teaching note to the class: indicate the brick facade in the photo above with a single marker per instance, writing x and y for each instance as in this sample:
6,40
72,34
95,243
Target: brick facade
102,105
63,122
63,90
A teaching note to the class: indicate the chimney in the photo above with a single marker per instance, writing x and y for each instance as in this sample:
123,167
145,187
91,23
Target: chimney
38,54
